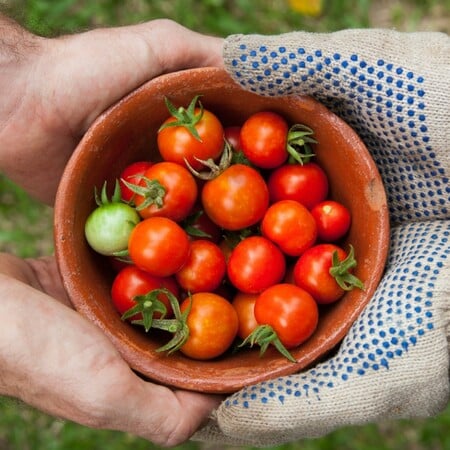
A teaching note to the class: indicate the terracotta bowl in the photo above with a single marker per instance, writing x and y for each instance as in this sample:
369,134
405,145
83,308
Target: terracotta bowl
126,133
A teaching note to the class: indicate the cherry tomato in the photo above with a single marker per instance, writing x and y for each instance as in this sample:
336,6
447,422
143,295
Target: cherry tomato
232,136
290,311
132,174
198,225
227,247
244,304
255,264
312,272
179,143
131,282
333,220
204,269
237,198
290,225
159,246
264,139
306,184
212,323
169,190
108,227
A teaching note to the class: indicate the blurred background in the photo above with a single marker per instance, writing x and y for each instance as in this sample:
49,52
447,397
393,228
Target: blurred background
26,226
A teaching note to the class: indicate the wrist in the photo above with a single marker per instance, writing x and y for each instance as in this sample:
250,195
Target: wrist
18,50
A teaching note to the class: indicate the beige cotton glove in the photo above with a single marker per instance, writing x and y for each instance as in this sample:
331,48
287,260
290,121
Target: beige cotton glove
394,89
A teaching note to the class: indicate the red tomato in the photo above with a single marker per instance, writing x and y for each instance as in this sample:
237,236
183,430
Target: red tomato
204,269
312,272
244,304
290,311
170,191
198,225
264,139
232,136
333,220
227,247
178,143
159,246
290,225
237,198
131,282
132,174
212,323
255,264
306,184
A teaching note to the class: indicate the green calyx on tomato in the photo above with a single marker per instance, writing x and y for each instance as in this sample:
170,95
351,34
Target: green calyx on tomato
185,117
265,335
298,144
177,326
191,229
340,271
103,198
147,305
152,192
214,169
109,226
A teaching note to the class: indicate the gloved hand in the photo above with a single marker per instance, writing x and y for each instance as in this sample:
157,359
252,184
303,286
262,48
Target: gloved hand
393,89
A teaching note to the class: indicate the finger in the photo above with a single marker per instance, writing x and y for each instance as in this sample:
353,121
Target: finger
157,413
109,63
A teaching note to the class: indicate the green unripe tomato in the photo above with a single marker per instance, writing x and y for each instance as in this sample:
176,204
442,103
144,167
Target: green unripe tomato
108,227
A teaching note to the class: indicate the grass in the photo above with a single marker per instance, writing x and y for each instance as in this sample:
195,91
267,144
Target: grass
26,226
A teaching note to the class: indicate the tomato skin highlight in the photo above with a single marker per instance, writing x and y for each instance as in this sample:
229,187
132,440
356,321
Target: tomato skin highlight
255,264
290,225
306,184
176,143
180,191
333,220
204,268
290,311
263,139
312,272
213,325
151,246
237,198
132,281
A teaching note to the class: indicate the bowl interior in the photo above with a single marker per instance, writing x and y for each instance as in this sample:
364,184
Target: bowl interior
127,133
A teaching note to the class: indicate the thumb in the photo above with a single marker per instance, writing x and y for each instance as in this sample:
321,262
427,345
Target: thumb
106,64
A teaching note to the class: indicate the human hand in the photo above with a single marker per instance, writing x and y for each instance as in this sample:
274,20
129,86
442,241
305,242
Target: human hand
50,356
57,361
57,87
392,88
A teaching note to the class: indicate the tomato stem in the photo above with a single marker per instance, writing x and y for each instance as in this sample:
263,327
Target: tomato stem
188,225
340,270
103,198
187,118
153,192
176,326
299,138
214,169
147,304
264,335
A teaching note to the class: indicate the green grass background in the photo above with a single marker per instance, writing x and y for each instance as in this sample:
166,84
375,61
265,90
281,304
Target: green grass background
26,226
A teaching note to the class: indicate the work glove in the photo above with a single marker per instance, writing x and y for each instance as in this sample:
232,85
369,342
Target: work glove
394,89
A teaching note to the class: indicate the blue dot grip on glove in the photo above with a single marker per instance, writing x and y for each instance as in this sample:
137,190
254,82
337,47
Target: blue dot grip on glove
393,89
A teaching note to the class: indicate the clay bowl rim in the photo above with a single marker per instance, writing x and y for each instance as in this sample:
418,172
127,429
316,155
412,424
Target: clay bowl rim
217,376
